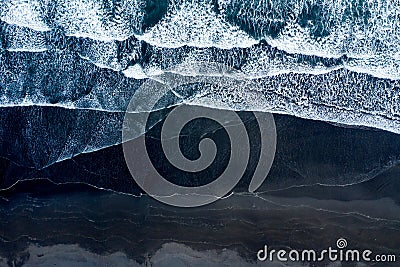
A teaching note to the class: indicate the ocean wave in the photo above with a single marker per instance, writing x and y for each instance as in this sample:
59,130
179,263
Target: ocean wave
358,29
99,20
195,23
336,95
295,68
362,36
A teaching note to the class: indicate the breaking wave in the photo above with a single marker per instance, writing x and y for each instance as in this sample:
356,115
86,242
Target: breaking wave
315,59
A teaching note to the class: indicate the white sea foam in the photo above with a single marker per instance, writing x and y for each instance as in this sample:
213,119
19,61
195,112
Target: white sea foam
194,23
91,19
135,71
81,18
25,13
